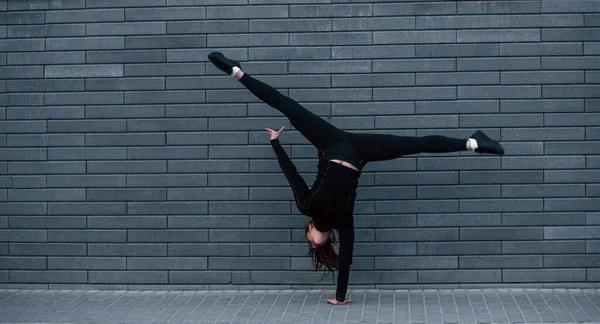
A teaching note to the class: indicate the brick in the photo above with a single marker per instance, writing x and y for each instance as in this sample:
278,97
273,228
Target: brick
289,25
289,277
500,92
28,235
320,67
124,111
193,55
87,208
154,42
560,6
128,277
375,80
126,194
166,180
70,112
547,218
162,153
234,40
569,176
193,277
412,122
126,167
120,222
211,194
456,50
414,65
29,222
121,3
373,23
23,126
209,166
126,56
502,7
416,178
290,53
229,221
22,72
494,64
131,139
83,71
543,275
246,124
545,247
570,63
430,234
25,263
413,37
176,13
21,45
127,28
559,20
414,93
22,154
448,220
372,108
592,19
245,12
496,35
592,77
278,221
82,98
544,162
89,236
251,236
330,10
501,233
372,51
592,246
48,276
65,16
442,276
129,249
501,205
331,38
569,34
18,18
80,126
267,249
456,106
459,248
46,195
29,181
87,263
329,95
571,261
166,124
448,192
209,249
87,43
54,30
543,191
171,208
500,261
250,263
167,236
47,249
42,4
587,147
417,9
156,83
572,204
543,105
6,181
24,99
455,22
592,190
172,96
167,263
195,82
541,49
43,85
452,78
243,207
413,262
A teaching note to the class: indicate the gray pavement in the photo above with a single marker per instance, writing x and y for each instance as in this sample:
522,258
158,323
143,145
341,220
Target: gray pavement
301,306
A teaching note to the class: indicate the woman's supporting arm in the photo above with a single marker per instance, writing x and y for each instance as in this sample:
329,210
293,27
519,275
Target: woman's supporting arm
346,236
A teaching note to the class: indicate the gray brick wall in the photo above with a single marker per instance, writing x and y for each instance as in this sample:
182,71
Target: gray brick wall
126,159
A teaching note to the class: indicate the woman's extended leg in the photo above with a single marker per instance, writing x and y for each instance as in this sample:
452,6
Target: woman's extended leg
315,129
378,147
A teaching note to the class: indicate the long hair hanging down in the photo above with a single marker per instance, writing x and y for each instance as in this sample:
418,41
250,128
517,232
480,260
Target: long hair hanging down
324,255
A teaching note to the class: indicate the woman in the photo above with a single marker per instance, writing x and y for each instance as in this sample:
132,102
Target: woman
342,155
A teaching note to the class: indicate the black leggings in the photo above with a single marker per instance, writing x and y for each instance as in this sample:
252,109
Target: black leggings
371,147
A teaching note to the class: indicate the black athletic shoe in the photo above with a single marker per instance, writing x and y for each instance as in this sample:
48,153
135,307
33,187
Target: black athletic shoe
486,144
224,64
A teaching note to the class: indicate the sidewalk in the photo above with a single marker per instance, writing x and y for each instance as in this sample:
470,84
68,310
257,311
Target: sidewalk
301,306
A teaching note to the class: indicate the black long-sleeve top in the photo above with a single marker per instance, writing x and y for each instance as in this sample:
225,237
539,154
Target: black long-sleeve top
329,202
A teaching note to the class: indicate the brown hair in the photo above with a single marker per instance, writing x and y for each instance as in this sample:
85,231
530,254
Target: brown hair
324,255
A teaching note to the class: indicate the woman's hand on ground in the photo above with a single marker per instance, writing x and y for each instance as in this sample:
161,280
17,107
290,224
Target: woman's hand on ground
334,301
274,134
